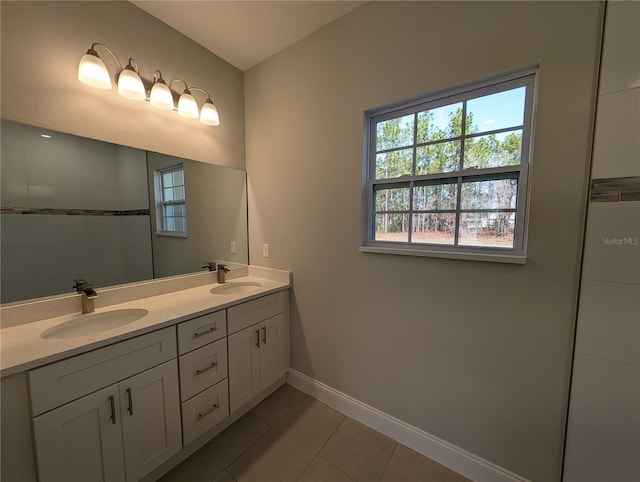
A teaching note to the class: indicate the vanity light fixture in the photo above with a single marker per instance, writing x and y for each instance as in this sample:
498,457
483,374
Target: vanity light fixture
208,113
130,84
160,95
93,72
187,106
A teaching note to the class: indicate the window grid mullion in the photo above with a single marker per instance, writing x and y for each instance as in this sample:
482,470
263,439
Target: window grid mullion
449,139
463,128
413,173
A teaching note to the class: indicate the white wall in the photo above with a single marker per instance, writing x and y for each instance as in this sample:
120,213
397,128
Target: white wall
42,43
603,436
478,354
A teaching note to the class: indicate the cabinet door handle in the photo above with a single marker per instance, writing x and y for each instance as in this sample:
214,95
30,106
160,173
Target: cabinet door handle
264,334
112,403
212,365
258,338
197,334
215,407
130,399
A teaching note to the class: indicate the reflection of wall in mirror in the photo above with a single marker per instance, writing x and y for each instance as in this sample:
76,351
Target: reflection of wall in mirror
214,194
85,213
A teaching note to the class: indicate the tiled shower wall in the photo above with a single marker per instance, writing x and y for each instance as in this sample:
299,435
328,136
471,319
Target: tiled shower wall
603,435
84,199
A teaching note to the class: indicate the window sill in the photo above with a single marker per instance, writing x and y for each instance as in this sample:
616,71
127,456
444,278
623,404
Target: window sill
493,257
172,235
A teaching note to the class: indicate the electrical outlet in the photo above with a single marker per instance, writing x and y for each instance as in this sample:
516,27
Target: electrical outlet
265,250
233,247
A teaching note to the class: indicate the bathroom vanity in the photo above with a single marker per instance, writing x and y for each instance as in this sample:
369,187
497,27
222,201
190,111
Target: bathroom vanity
129,391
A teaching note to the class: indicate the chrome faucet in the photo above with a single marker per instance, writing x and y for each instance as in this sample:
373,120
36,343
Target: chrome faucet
88,294
222,270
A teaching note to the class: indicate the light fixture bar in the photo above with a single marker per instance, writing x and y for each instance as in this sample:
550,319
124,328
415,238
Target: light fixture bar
93,72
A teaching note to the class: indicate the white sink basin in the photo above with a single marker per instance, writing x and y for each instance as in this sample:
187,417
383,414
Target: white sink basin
93,323
237,288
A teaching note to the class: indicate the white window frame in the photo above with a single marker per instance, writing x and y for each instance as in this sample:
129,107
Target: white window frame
162,203
517,254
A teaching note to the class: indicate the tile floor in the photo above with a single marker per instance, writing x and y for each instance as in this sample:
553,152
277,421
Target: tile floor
292,437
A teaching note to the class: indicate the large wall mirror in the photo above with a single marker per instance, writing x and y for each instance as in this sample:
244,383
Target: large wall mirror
74,207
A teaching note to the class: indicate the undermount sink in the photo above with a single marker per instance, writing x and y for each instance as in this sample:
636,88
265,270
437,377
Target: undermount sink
238,288
93,323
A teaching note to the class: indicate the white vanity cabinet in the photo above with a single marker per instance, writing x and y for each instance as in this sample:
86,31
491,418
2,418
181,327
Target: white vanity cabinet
202,346
92,422
123,412
256,347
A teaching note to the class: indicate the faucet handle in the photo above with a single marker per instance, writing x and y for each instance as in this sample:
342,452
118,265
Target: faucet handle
223,267
80,284
210,265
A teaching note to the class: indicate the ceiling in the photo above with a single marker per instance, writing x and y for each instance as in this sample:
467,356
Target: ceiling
244,33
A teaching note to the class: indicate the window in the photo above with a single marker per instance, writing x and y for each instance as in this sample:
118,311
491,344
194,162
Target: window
173,215
447,175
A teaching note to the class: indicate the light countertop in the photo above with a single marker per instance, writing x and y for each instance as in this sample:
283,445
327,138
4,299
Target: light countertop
22,347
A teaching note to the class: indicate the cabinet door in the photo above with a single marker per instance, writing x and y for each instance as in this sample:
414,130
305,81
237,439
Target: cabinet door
244,366
271,350
82,440
150,408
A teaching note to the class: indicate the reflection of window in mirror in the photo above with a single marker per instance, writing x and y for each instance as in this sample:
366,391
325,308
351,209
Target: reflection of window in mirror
170,196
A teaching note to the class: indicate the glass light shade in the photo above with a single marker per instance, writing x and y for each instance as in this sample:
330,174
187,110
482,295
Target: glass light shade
187,106
160,96
209,114
92,71
130,85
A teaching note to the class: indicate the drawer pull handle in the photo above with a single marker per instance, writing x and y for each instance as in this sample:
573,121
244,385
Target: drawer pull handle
112,403
130,399
212,365
197,334
258,338
264,334
215,407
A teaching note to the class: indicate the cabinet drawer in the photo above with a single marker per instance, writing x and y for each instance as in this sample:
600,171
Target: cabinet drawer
255,311
202,368
198,332
204,411
70,379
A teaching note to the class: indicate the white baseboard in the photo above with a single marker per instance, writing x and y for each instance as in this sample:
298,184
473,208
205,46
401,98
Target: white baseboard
457,459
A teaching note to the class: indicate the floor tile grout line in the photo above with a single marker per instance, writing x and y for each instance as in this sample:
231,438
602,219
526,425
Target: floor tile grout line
393,452
270,427
261,419
324,444
335,466
344,417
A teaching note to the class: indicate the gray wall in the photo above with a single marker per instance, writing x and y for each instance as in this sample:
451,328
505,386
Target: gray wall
475,353
42,43
216,202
